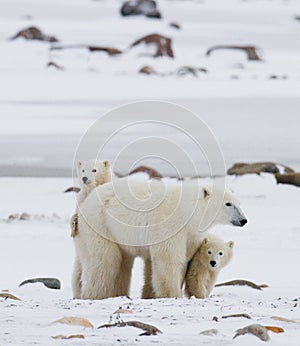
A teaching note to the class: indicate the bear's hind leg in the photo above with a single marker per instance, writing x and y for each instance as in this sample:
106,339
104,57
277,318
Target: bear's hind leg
123,279
148,291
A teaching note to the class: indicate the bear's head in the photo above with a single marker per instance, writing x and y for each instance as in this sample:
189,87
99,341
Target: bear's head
215,254
230,212
93,173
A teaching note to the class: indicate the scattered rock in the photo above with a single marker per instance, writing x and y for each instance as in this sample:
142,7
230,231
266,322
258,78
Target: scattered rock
147,70
297,18
34,33
48,282
251,51
257,168
282,319
12,217
256,329
150,171
175,25
181,71
210,332
123,311
72,189
108,50
240,282
288,178
7,295
55,65
188,70
75,321
237,315
148,328
64,337
275,76
147,8
24,216
163,44
275,329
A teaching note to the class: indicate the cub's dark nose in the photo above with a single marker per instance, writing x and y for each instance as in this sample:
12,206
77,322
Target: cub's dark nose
213,263
243,222
84,179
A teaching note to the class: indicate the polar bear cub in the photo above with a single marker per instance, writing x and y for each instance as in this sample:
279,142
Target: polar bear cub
203,269
90,174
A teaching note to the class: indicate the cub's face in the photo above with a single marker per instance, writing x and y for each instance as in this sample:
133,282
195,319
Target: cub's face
93,173
216,254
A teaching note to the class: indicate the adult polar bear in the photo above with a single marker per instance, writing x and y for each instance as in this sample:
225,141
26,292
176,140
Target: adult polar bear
162,223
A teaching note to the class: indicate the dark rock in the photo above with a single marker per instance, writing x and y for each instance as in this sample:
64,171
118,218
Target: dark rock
147,8
175,25
108,50
34,33
48,282
72,189
163,44
257,168
150,171
55,65
24,216
251,51
147,70
288,178
189,70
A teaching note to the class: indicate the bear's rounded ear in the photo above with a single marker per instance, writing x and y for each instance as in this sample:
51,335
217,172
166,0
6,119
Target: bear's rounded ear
106,163
206,193
79,163
230,244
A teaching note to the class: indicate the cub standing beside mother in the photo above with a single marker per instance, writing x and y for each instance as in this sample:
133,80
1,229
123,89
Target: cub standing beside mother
121,220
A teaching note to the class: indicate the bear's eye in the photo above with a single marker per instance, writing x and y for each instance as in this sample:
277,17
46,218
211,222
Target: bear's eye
228,204
221,253
209,252
94,170
83,171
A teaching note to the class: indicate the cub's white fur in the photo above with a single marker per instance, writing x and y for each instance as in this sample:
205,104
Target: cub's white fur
203,269
90,174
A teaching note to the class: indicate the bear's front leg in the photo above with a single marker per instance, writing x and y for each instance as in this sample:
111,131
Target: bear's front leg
76,279
123,279
168,266
100,269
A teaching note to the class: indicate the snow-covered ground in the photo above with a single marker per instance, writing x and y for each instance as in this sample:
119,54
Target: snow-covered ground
44,112
266,251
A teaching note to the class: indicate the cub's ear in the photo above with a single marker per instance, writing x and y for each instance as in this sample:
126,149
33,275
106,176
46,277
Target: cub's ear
206,193
230,244
79,163
106,163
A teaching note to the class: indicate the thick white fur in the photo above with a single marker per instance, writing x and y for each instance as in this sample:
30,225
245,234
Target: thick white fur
115,228
97,173
201,275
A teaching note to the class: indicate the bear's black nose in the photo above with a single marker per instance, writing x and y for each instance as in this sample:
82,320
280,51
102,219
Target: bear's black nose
84,179
213,263
243,222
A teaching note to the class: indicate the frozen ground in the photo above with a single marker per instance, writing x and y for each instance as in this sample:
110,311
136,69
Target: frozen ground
266,251
45,111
